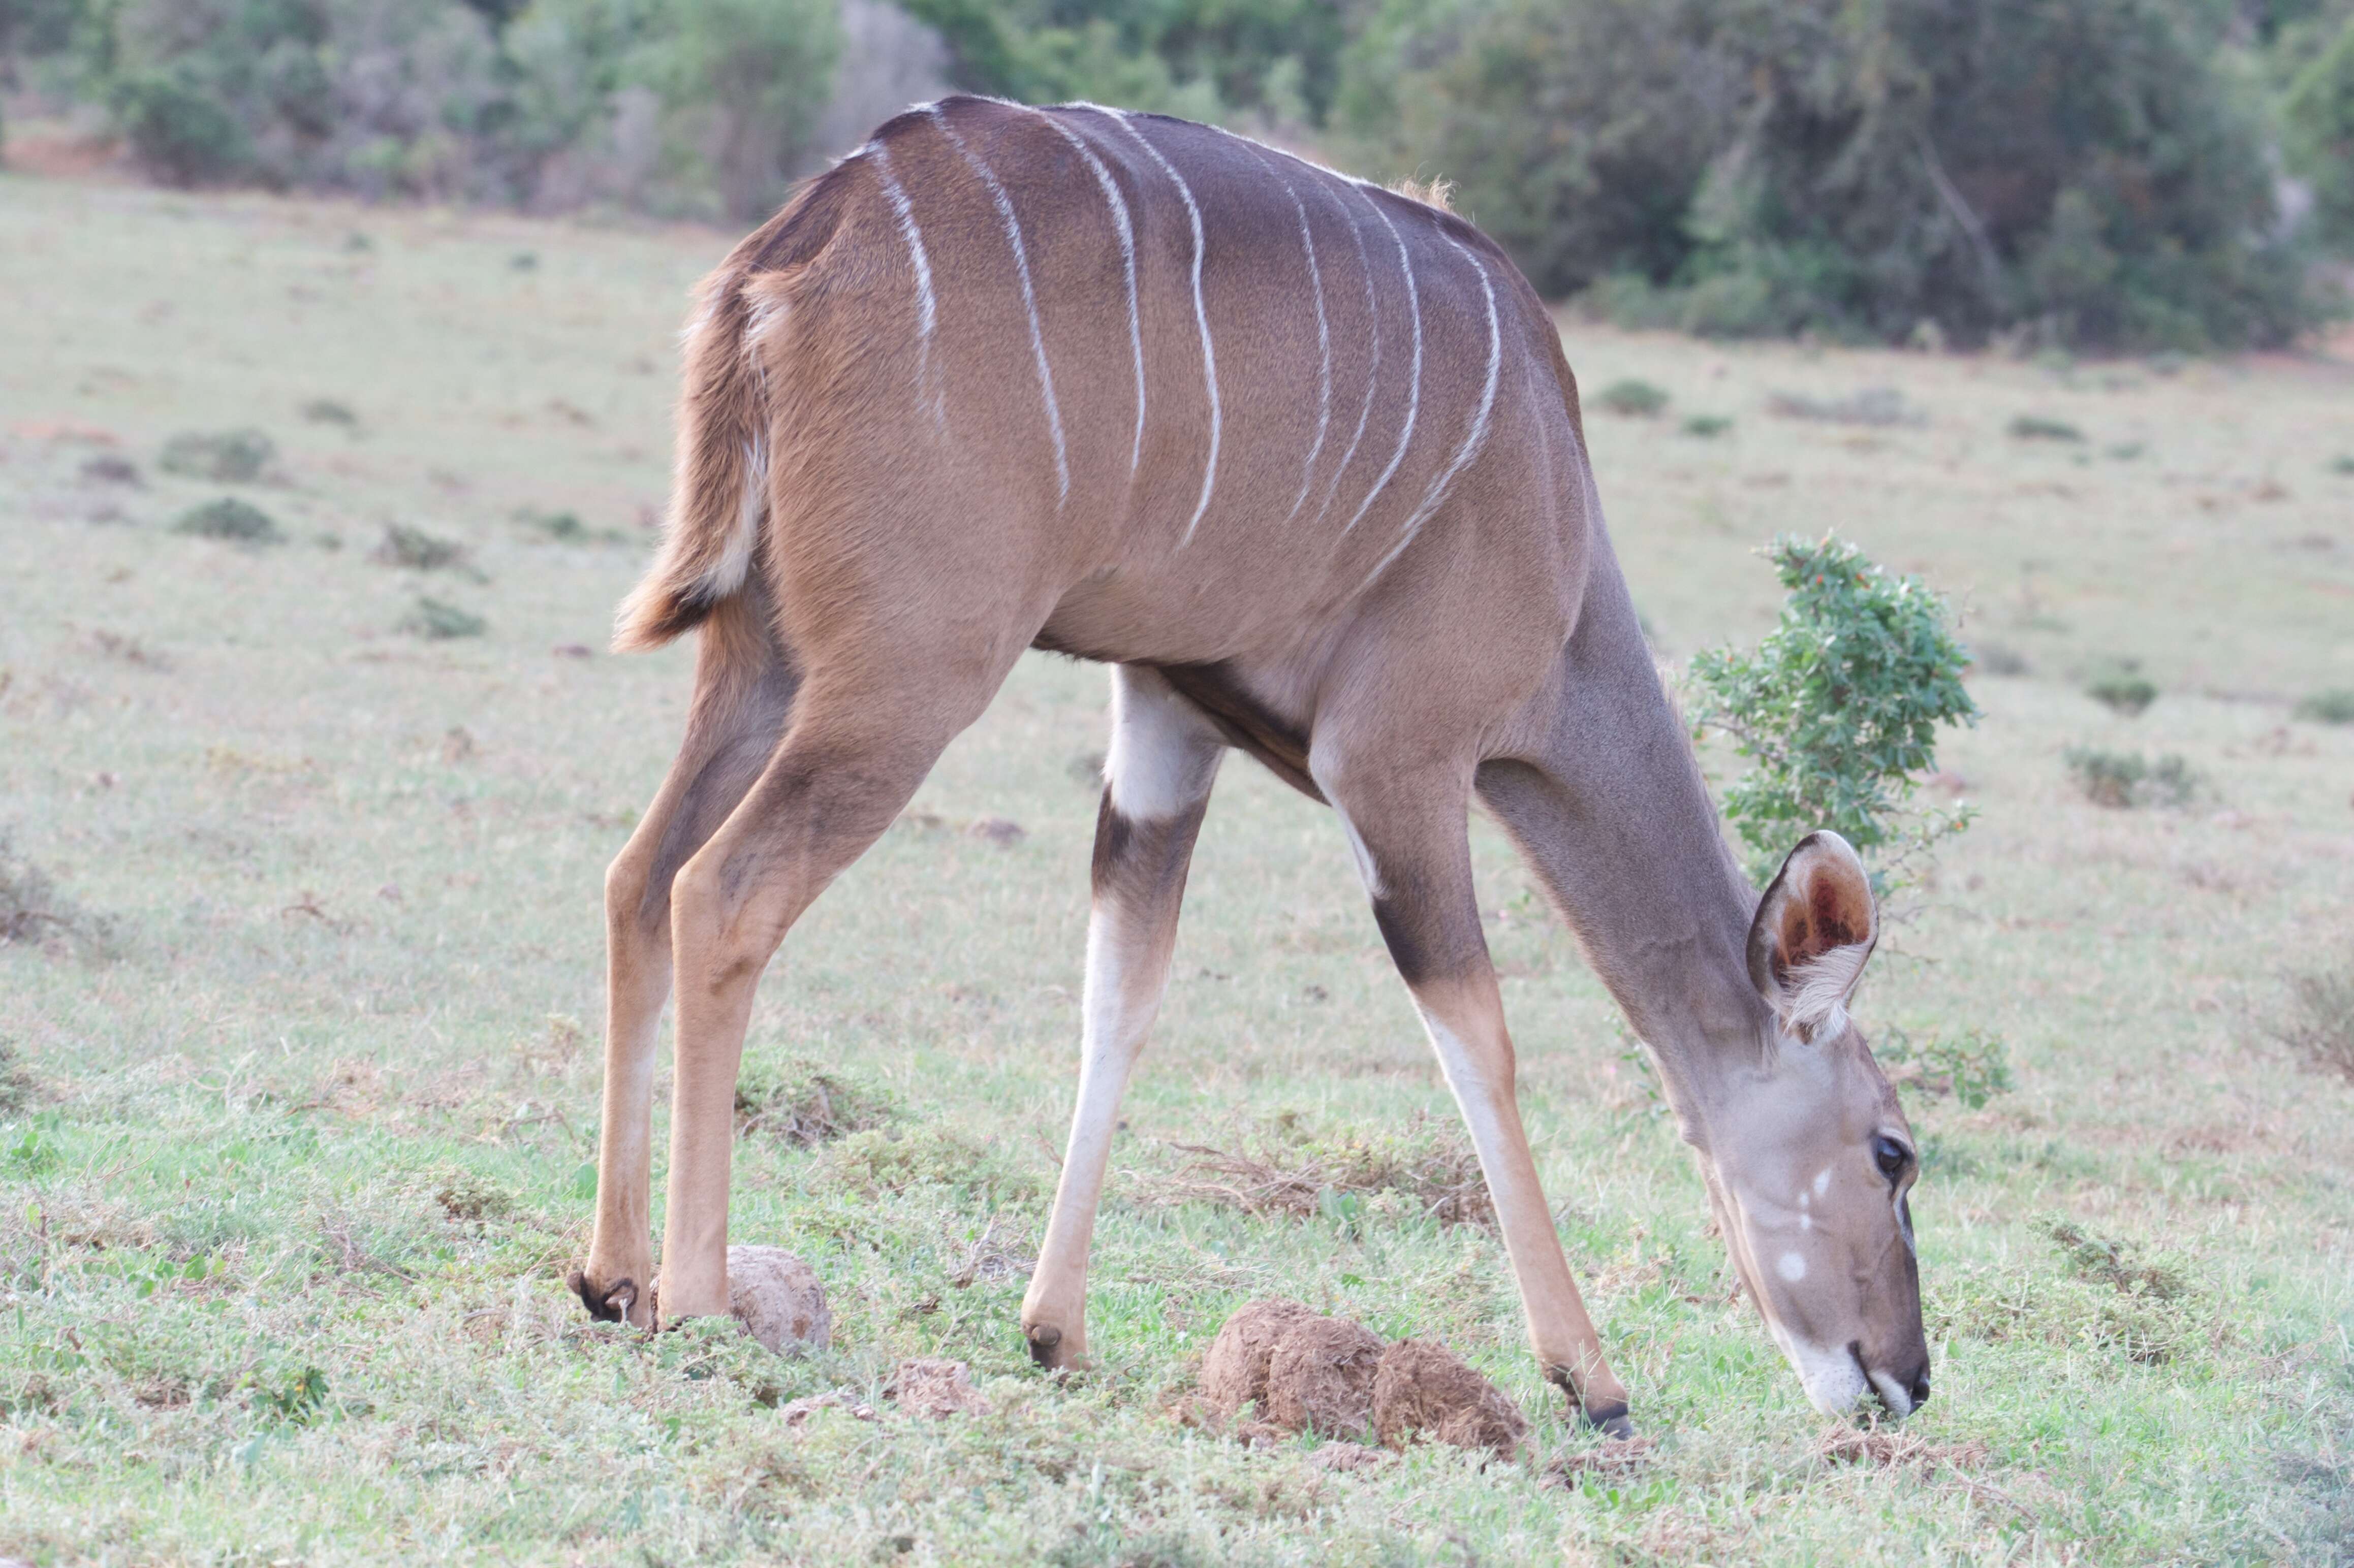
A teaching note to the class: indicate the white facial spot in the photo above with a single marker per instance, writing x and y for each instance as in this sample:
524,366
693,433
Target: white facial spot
1792,1268
1822,1180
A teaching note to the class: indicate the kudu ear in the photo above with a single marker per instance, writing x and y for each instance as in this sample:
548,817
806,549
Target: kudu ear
1814,929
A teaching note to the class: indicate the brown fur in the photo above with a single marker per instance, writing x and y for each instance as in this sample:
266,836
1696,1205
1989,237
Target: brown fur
1395,590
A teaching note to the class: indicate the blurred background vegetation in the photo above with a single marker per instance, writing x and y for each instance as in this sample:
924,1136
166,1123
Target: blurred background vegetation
2086,174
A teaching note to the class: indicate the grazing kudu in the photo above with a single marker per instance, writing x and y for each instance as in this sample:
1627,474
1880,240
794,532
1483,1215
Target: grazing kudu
1300,458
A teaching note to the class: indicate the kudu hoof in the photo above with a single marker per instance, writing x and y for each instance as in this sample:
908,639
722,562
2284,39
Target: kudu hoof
1610,1420
606,1303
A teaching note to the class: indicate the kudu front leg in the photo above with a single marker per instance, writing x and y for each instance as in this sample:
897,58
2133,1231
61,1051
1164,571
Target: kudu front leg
1163,759
1414,853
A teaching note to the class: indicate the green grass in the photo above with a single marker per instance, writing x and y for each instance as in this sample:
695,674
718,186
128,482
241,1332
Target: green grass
292,1163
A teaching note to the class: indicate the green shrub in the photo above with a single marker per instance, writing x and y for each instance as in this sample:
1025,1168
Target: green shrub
2344,464
2318,116
436,620
894,1160
418,550
2036,428
805,1104
1972,1066
327,411
225,457
2120,780
1998,659
180,132
2122,687
1638,398
2333,706
241,522
1838,710
1707,426
1871,405
2316,1020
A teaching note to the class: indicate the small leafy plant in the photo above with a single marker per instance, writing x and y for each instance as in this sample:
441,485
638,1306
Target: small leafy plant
238,522
2335,706
1635,397
2318,1023
1972,1066
436,620
2036,428
232,457
2122,687
2120,780
1838,710
1707,426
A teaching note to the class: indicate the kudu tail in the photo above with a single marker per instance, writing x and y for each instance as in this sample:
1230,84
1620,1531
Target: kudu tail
719,495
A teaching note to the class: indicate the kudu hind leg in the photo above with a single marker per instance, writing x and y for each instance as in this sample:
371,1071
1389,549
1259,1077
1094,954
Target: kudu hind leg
1415,852
743,696
860,743
1165,755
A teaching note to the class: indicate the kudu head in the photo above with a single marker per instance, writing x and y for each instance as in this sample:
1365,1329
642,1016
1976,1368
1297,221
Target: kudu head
1807,1155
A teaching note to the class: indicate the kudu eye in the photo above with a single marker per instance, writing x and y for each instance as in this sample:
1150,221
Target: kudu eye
1890,1156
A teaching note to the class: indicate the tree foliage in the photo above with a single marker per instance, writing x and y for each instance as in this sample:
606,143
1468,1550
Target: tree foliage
1838,710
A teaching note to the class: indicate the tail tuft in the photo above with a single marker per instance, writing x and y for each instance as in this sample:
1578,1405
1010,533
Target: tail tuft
719,495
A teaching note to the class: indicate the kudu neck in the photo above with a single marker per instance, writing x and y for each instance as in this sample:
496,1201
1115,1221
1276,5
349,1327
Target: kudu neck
1619,823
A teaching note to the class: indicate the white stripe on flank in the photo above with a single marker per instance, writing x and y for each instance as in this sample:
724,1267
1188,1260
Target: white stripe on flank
927,307
1414,393
1477,435
1029,300
1200,315
1323,336
1128,260
1373,370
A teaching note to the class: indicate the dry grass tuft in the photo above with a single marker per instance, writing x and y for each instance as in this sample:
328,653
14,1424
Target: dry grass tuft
1889,1447
1291,1171
2318,1023
805,1105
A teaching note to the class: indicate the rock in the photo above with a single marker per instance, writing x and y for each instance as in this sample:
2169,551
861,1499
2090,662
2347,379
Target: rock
1422,1387
934,1386
1234,1373
775,1296
1321,1376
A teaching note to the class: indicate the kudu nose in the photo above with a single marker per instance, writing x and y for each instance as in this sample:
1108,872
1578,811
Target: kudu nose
1919,1386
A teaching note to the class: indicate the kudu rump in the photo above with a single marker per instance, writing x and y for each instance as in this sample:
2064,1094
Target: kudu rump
1301,460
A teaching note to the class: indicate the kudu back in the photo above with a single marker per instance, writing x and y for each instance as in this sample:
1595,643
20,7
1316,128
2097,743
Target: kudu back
1301,460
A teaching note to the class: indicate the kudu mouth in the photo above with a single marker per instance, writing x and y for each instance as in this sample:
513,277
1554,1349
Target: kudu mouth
1899,1396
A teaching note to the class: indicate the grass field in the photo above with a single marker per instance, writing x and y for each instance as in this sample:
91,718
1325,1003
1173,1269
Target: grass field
299,1142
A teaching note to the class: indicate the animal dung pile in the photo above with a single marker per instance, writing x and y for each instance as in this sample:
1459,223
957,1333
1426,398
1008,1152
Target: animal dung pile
934,1386
1303,1371
776,1297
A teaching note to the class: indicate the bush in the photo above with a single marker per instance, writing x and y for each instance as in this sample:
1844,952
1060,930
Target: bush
2333,706
1972,1066
1871,405
418,550
2318,112
435,621
2121,688
1638,398
2317,1020
239,521
1838,710
225,457
2120,780
2036,428
1707,426
179,132
806,1103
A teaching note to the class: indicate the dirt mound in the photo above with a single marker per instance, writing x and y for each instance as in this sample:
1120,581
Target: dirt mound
1304,1371
1234,1373
1422,1387
776,1297
934,1386
1321,1376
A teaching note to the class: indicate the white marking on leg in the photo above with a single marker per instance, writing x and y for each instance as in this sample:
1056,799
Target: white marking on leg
1128,262
1201,316
1474,1096
1474,438
1029,299
927,307
1163,753
1323,333
1373,369
1414,392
